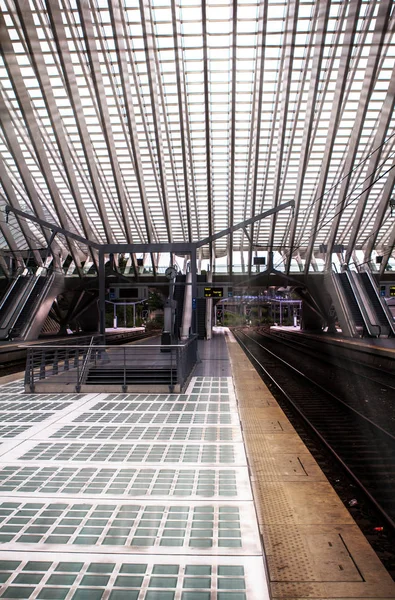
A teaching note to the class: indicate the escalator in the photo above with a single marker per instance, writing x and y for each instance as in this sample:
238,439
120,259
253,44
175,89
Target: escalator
27,303
381,311
27,309
353,308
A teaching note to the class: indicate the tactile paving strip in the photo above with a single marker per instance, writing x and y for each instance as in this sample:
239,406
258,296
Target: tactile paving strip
208,483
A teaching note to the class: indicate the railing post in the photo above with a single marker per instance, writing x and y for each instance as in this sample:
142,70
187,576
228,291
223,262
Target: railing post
78,386
42,365
124,387
56,363
171,386
66,360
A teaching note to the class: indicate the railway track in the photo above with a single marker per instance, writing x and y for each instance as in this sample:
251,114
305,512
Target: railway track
364,447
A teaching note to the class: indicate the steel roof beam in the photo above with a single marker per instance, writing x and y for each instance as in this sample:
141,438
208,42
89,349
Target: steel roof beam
207,126
154,83
33,43
121,52
59,33
344,62
382,209
319,45
381,25
33,129
232,135
93,59
288,53
182,111
255,137
386,116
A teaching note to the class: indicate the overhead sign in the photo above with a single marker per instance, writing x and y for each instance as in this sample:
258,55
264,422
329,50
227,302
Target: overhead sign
213,292
392,290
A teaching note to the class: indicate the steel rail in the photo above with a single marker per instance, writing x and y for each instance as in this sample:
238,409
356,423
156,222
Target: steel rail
331,360
306,420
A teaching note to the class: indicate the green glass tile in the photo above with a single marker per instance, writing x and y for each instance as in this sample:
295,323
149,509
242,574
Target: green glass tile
231,583
53,593
195,596
163,582
231,596
34,565
29,578
17,592
97,580
5,538
30,539
152,595
61,579
143,541
85,540
165,569
223,543
100,568
9,565
88,594
129,581
114,541
172,542
57,539
69,567
200,543
133,569
233,571
4,577
197,570
197,582
124,595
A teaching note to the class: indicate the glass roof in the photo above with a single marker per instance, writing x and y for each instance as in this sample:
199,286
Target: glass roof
156,121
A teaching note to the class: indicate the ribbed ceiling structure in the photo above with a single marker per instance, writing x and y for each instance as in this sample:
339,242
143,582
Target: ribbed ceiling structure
169,120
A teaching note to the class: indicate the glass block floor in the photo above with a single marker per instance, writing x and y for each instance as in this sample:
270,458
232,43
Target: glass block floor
127,497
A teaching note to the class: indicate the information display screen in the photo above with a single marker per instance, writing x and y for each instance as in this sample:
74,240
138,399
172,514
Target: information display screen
392,290
213,292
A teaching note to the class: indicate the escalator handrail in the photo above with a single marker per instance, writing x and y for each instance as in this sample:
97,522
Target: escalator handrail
23,304
9,291
383,304
25,294
41,294
365,316
343,303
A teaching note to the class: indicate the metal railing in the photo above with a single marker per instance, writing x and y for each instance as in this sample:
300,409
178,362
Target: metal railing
110,368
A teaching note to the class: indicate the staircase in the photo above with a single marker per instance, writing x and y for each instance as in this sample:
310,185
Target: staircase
165,377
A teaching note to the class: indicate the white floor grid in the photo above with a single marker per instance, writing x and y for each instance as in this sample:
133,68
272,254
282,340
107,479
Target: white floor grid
127,496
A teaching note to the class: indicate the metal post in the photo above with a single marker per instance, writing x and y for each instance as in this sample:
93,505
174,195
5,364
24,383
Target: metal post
134,315
124,387
124,315
194,289
102,295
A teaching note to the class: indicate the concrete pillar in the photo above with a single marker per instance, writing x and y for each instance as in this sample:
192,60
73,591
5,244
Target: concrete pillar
187,311
209,311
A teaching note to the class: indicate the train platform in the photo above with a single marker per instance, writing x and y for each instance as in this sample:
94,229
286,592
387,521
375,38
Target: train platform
206,495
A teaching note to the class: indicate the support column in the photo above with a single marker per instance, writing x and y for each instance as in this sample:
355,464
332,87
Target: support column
209,310
102,295
194,290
